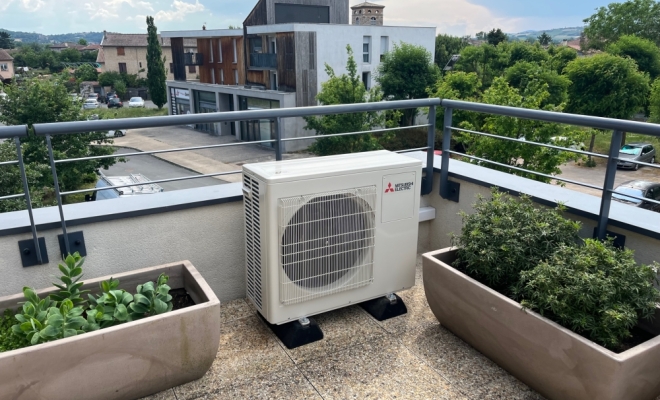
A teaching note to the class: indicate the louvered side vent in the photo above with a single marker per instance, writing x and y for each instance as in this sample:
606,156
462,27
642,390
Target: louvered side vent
252,239
327,243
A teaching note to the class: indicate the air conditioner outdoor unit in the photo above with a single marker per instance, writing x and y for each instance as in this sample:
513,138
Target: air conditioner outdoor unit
328,232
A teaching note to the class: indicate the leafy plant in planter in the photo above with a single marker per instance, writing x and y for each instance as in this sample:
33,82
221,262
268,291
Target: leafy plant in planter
110,308
72,272
594,290
9,341
152,300
506,236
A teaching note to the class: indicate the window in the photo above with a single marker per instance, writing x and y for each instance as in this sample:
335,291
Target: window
222,76
384,46
122,68
357,20
211,51
172,67
369,12
366,49
366,79
120,51
213,76
235,77
4,67
219,50
233,41
140,64
192,69
373,21
360,11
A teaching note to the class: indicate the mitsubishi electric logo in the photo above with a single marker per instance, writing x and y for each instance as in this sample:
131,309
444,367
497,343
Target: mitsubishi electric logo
399,187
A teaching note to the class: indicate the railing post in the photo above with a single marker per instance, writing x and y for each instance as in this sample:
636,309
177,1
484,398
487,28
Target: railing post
28,200
446,147
278,137
610,174
430,154
56,183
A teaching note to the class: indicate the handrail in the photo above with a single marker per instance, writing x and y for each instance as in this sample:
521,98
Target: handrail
8,132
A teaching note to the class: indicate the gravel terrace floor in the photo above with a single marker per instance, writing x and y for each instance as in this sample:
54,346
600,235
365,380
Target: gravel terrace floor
408,357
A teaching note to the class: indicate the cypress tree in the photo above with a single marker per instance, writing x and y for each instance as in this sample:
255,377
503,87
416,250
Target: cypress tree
156,66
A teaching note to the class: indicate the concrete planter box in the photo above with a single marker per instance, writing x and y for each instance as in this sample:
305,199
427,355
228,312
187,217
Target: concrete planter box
549,358
127,361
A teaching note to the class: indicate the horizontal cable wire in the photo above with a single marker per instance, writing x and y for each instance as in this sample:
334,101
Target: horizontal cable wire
587,153
12,196
527,171
411,150
637,162
144,153
356,133
634,197
185,178
15,162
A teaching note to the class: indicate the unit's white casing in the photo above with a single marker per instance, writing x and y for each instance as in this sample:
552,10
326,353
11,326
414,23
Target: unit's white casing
396,183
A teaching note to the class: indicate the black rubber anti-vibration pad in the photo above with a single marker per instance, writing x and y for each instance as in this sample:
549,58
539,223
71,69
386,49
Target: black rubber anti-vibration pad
382,309
294,334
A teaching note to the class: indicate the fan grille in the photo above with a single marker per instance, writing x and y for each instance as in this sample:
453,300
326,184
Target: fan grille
253,240
327,243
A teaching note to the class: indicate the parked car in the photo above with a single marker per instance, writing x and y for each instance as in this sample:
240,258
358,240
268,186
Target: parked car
90,104
117,133
645,189
136,102
94,96
141,185
115,103
110,96
644,152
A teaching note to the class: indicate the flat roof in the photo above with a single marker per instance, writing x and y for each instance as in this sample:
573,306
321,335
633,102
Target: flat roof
208,33
297,27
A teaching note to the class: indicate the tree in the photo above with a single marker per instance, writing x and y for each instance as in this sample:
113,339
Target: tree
645,53
47,100
120,88
654,102
86,73
156,66
523,73
560,57
109,78
634,17
481,35
606,86
405,74
82,42
6,42
70,55
446,46
345,89
496,36
545,39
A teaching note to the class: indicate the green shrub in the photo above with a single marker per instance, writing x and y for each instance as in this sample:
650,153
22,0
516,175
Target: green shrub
506,236
594,290
9,341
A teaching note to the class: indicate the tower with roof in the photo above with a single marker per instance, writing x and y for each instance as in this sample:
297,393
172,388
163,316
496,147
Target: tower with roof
367,14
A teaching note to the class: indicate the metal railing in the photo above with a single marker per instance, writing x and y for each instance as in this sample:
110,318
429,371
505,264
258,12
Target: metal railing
16,133
263,60
613,158
63,128
277,115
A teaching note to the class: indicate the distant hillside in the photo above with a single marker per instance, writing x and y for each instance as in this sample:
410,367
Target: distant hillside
557,34
27,37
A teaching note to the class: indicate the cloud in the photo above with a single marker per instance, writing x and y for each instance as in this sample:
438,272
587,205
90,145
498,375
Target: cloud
456,17
180,10
5,4
32,5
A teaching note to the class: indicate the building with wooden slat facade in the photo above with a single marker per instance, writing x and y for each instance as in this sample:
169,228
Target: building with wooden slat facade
278,60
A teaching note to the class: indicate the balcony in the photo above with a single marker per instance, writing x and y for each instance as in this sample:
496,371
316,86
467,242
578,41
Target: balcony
263,61
193,59
409,357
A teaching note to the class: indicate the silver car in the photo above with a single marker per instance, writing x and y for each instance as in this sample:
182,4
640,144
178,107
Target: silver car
90,104
641,190
644,152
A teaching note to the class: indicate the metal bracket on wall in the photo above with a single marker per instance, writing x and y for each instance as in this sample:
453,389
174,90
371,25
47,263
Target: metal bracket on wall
29,252
619,239
453,191
76,244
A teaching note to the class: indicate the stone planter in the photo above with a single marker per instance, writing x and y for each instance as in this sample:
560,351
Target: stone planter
127,361
551,359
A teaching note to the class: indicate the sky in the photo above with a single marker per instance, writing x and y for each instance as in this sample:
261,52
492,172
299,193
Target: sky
456,17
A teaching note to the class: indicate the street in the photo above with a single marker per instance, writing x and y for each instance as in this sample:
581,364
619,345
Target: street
156,169
596,176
